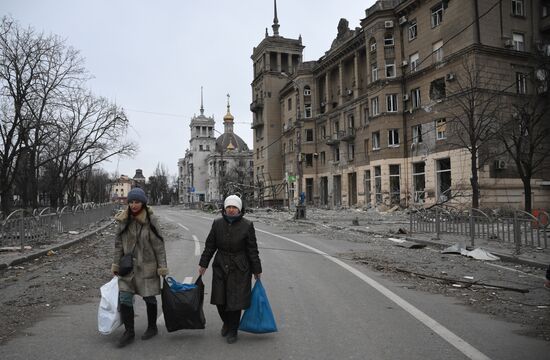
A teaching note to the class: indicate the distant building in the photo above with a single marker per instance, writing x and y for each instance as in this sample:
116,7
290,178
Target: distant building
121,188
139,179
212,166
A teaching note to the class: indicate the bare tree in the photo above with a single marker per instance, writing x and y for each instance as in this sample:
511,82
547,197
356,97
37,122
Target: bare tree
89,130
527,133
472,116
159,192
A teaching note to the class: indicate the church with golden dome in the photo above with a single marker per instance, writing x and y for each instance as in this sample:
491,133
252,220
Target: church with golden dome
214,167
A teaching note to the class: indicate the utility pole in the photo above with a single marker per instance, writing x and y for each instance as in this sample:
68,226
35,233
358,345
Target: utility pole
301,208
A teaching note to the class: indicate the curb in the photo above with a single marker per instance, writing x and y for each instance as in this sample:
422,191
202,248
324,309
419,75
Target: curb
43,252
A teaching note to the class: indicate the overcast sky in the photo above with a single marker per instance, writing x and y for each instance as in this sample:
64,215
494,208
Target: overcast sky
152,57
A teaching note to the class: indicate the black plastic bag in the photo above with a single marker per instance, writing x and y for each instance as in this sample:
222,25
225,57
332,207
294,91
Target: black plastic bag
183,309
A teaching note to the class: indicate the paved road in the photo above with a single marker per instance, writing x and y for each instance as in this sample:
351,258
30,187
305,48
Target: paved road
325,309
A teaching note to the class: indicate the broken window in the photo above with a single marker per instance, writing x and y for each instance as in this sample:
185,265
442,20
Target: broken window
437,89
374,108
378,184
351,152
336,154
419,182
521,83
367,188
395,188
417,134
443,172
415,96
309,160
376,140
441,129
413,31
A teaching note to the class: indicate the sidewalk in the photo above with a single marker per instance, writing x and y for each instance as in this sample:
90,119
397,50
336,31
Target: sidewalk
12,258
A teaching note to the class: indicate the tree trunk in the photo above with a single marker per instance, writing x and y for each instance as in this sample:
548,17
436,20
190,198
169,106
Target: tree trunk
474,181
527,194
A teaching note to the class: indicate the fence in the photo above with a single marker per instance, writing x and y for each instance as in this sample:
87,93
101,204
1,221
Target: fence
20,231
517,227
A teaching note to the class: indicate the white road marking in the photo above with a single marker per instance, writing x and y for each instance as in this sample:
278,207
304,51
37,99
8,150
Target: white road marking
453,339
186,228
197,245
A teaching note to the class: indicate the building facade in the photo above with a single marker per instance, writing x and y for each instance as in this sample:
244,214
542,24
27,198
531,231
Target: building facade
377,119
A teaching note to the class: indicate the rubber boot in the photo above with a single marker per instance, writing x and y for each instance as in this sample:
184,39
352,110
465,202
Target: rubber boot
127,316
152,329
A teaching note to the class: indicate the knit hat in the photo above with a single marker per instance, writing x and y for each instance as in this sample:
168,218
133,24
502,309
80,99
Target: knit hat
233,200
137,194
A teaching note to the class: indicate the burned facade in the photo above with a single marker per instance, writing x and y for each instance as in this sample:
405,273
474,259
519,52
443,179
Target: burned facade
374,120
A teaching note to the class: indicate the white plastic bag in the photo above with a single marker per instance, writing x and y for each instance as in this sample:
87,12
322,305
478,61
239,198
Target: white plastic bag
108,316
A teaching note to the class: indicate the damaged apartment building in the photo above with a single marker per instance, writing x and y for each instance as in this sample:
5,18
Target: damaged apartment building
373,121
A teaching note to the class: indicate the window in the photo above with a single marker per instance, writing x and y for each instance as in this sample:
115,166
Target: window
372,45
391,102
309,134
413,62
417,134
388,40
437,52
307,91
289,104
378,184
413,32
309,160
437,89
322,132
419,182
368,200
200,148
518,7
395,187
521,83
437,14
207,147
366,142
322,158
443,172
393,137
390,70
307,111
376,140
415,96
440,129
374,72
351,152
375,109
336,154
519,41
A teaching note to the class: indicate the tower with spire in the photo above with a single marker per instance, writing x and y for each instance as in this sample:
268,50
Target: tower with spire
276,60
193,170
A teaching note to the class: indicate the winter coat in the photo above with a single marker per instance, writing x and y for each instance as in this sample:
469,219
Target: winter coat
149,253
236,259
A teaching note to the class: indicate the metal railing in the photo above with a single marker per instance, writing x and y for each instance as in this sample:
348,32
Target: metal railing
516,227
18,230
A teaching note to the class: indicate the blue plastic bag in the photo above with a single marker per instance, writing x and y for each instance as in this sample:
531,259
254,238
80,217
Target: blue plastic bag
176,286
258,318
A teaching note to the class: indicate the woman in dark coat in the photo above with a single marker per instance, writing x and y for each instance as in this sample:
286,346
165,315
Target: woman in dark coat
138,233
233,239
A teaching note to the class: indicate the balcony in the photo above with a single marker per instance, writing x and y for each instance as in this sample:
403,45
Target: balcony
334,139
257,105
348,135
256,123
